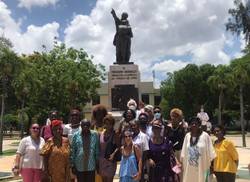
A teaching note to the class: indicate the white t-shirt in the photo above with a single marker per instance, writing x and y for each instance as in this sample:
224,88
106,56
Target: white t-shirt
196,160
30,153
69,131
142,141
203,117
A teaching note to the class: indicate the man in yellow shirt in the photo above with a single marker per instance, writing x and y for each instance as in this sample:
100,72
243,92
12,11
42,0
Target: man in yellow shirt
226,161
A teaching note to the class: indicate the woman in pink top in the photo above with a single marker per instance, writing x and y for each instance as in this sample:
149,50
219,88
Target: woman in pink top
28,161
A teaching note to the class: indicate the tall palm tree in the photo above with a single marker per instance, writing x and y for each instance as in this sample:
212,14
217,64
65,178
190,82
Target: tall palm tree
239,22
9,67
219,82
241,72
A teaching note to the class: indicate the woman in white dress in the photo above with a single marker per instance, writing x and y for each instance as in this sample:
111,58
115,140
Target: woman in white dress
197,153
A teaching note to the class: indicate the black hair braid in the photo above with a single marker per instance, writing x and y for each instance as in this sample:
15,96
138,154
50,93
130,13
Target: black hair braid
196,140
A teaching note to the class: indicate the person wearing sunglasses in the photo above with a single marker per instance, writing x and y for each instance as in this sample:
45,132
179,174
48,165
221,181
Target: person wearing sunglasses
56,155
131,163
28,161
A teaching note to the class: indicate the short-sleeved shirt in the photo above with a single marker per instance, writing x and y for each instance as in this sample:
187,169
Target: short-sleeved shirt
30,153
203,116
69,131
226,156
141,140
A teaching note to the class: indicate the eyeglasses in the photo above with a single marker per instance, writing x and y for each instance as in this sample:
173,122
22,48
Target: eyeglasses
157,111
35,128
128,136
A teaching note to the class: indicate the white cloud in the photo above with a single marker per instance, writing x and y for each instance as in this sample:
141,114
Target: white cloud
30,40
162,28
30,3
169,66
35,37
211,52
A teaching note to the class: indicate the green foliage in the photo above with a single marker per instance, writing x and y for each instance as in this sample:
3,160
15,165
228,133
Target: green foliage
5,43
61,79
10,119
239,22
188,90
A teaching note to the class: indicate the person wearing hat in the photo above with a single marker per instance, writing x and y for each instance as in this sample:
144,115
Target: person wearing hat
85,153
56,155
197,153
161,156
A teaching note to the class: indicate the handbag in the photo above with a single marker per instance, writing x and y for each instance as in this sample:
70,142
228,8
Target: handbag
45,177
110,148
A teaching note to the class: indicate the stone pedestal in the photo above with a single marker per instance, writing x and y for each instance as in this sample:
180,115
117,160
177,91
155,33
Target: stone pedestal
123,84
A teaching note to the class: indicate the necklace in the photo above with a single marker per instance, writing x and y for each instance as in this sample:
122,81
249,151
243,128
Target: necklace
194,142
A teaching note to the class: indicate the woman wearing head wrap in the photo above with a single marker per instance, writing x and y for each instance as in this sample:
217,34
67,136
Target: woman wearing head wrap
197,153
56,155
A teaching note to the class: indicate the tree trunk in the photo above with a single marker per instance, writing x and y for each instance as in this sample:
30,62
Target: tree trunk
1,125
220,107
22,120
242,121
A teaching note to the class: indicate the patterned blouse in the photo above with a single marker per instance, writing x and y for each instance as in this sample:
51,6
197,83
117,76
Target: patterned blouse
58,160
83,157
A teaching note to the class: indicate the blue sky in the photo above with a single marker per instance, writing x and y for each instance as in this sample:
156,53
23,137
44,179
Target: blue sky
62,12
168,34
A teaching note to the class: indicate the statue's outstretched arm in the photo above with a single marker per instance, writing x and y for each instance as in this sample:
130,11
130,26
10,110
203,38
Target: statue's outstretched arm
114,15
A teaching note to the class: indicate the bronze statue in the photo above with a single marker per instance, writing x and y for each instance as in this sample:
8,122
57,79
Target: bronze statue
122,38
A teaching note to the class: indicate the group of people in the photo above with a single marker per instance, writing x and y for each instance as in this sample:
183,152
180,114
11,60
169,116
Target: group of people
148,148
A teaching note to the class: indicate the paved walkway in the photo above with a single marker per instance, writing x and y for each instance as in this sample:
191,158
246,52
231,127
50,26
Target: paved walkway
6,162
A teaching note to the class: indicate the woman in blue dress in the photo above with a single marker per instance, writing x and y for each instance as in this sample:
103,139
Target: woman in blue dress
131,164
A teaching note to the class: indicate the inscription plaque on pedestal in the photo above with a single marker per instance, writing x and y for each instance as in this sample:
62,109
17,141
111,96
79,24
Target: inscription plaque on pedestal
123,85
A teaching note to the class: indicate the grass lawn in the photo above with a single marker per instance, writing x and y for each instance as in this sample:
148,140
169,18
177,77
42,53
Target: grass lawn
9,152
